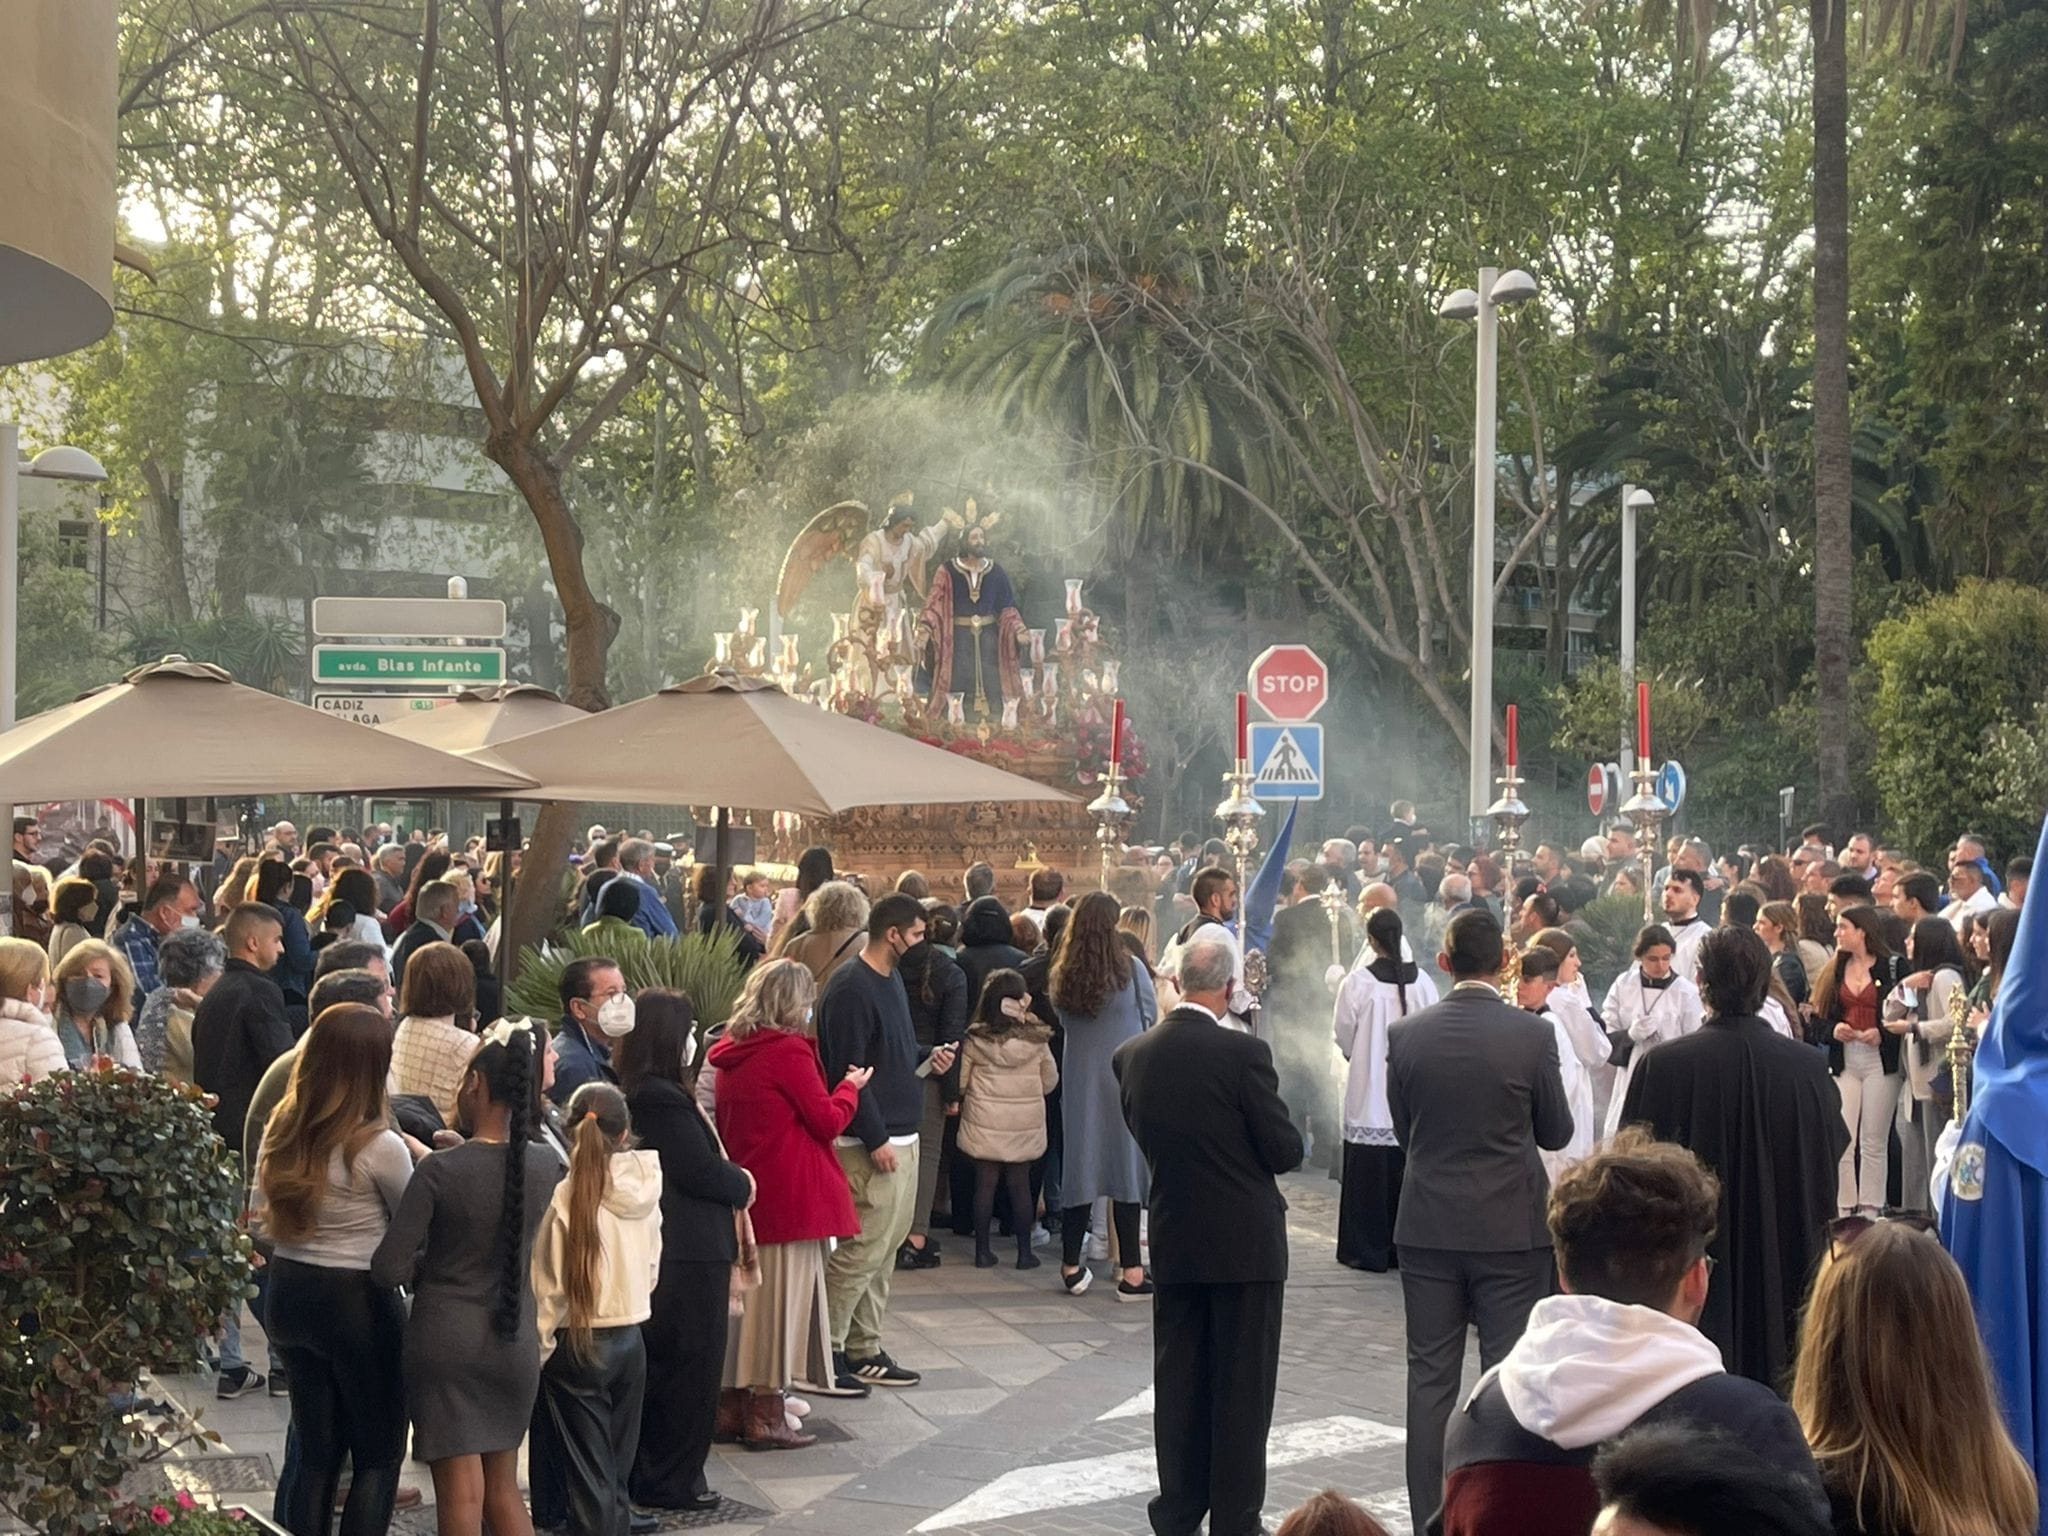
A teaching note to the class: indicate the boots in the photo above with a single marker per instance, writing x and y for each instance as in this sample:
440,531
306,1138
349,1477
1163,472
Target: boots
732,1416
768,1425
984,1253
1026,1259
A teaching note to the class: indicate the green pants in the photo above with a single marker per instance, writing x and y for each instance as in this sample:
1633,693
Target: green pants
858,1274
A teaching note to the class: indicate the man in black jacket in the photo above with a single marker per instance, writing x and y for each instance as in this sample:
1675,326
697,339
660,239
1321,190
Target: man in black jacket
864,1021
433,921
1474,1089
1619,1351
1204,1105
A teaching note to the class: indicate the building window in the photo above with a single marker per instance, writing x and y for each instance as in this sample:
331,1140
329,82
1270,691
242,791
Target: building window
74,543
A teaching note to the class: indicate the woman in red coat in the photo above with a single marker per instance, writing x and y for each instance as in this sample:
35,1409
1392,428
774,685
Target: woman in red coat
778,1121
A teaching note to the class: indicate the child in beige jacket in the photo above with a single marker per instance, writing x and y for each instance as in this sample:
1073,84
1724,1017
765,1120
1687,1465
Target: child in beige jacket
1006,1070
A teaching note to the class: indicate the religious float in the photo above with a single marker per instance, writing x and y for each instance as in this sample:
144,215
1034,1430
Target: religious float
935,646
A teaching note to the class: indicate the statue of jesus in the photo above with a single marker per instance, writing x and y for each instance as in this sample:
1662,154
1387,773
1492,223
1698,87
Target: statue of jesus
967,635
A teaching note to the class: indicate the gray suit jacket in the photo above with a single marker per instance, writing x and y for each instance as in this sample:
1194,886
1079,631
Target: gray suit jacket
1474,1088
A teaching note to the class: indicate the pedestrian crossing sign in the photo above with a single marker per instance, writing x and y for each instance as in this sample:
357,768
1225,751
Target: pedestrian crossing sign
1287,761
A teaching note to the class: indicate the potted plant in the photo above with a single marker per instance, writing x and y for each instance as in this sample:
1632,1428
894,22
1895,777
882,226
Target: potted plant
704,966
121,1246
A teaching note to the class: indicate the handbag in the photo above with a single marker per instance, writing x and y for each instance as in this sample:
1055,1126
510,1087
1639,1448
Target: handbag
746,1265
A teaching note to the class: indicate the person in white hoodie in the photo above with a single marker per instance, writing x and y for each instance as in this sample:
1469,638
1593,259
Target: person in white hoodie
29,1048
595,1261
1617,1351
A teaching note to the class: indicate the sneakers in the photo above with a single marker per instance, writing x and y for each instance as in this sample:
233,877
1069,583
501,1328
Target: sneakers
1096,1248
910,1256
1078,1282
239,1382
1142,1291
881,1371
844,1382
278,1386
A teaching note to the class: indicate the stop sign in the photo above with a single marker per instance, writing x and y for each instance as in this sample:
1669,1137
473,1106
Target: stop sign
1290,682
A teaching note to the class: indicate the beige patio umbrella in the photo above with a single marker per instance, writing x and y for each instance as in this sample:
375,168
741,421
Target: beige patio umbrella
741,743
477,720
181,729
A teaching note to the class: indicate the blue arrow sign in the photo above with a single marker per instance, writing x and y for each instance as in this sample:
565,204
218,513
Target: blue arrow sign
1671,784
1287,761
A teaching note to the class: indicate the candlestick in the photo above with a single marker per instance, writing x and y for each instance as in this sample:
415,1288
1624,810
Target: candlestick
1073,597
1643,721
1243,729
1116,735
1511,739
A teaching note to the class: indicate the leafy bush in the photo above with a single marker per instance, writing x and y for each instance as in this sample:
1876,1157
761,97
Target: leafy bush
1606,947
1959,677
123,1248
706,967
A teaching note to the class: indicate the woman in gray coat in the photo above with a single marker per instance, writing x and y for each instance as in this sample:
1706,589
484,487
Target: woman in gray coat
1103,1000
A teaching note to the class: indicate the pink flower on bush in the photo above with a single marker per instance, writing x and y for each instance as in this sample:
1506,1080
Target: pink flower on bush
186,1501
159,1514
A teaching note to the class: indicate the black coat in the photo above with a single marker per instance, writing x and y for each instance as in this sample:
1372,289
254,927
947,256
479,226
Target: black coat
1759,1110
238,1030
937,989
700,1186
413,938
985,945
1203,1103
1474,1087
1820,1029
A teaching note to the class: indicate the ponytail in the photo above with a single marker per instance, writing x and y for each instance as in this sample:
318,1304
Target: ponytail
518,1085
1383,930
599,1121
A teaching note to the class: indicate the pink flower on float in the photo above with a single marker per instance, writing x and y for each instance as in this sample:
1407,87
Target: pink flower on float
159,1514
186,1501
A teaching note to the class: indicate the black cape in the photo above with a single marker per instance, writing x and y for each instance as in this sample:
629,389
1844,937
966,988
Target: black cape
1762,1112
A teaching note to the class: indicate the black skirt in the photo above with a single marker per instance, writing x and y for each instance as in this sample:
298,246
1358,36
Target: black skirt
1371,1200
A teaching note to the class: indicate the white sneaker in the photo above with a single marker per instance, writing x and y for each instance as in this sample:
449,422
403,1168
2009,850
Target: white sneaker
1097,1247
1040,1237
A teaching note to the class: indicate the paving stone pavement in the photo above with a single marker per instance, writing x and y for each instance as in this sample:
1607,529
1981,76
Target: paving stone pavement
1034,1415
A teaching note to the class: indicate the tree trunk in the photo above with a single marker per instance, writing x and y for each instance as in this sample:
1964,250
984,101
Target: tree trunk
1831,471
170,535
590,628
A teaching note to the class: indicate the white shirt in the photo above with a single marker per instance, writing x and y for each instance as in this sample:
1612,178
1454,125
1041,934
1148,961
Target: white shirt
1686,939
1581,1048
1241,1001
1651,1017
1964,906
1366,1008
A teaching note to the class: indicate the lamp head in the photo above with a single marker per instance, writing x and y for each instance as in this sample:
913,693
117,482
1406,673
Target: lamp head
1461,305
67,464
1640,499
1513,286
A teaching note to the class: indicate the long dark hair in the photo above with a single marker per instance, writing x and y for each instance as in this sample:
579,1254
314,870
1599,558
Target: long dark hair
2002,929
813,869
1935,947
1383,932
1091,965
508,1078
659,1046
431,867
1828,984
1000,986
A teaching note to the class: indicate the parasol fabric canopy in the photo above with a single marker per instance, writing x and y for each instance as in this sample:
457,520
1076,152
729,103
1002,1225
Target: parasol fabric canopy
181,728
743,743
477,720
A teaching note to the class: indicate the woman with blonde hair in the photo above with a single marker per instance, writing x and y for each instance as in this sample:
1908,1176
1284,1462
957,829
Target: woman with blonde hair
29,1047
1895,1396
234,889
778,1120
837,917
1139,922
329,1177
95,995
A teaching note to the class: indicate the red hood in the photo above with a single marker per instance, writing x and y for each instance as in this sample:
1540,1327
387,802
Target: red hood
728,1053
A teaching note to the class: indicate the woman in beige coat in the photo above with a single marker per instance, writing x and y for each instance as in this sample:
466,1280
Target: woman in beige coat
837,914
1006,1070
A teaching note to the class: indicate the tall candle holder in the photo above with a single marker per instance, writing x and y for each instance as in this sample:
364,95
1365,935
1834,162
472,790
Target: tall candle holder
1241,814
1646,812
1333,901
1508,813
1112,813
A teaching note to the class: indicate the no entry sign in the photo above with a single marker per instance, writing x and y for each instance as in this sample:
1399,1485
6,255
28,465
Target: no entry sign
1603,788
1290,683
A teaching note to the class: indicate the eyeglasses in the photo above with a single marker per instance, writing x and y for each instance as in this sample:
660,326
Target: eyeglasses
1844,1230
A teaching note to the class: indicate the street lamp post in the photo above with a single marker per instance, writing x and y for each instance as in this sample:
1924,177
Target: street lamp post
51,464
1483,304
1634,499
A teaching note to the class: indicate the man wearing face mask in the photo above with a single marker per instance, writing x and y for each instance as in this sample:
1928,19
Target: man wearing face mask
596,1010
171,902
864,1021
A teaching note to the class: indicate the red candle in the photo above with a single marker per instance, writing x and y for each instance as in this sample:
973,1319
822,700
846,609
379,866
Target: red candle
1243,730
1511,738
1116,733
1643,721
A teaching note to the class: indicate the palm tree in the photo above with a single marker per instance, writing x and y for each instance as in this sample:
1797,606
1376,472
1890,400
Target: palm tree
1916,26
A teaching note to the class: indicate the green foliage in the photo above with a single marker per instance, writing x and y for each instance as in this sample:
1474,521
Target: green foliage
703,966
62,653
260,651
1957,674
1607,946
125,1246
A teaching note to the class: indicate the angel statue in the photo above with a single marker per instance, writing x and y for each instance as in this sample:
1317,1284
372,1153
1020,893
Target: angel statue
967,635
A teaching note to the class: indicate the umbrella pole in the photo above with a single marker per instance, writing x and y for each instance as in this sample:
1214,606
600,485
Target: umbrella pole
503,958
721,854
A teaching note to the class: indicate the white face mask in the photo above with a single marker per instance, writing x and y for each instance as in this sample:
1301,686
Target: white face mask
189,920
615,1016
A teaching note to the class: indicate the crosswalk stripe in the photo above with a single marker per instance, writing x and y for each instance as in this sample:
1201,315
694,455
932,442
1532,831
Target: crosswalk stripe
1098,1479
1139,1407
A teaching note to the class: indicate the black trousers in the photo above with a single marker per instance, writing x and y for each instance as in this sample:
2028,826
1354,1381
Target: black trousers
1443,1293
339,1339
1123,1215
1370,1203
686,1358
1215,1361
594,1400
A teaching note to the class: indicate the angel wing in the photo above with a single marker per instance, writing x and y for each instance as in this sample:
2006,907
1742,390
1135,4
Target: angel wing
833,534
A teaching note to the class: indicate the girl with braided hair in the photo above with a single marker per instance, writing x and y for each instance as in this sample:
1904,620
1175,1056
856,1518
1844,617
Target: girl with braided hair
463,1241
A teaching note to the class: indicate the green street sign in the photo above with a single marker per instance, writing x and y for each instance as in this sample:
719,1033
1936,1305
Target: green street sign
402,664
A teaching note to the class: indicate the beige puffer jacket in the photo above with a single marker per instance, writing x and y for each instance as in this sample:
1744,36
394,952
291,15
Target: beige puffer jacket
1004,1079
29,1047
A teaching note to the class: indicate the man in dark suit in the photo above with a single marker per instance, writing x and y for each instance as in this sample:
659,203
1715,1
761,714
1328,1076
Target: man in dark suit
1474,1088
1204,1105
433,920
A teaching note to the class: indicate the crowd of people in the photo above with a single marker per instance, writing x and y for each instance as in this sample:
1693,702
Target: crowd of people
626,1238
